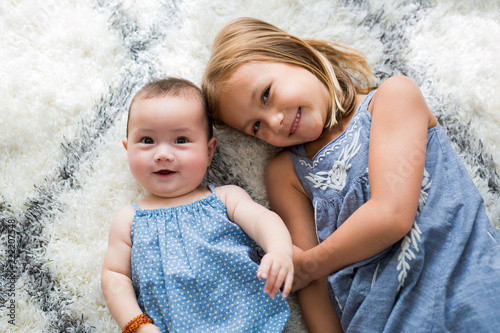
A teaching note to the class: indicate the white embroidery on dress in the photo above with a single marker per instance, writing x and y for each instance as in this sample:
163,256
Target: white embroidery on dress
337,176
491,237
315,205
374,278
334,145
340,305
409,245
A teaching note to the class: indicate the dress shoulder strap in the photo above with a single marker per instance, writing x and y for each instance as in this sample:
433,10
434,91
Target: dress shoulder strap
366,101
211,187
136,206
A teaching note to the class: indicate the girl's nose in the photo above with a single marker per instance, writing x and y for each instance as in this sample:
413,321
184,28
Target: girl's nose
276,120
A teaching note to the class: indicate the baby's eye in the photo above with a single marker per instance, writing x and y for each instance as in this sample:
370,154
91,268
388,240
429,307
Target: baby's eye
265,95
256,127
181,140
147,140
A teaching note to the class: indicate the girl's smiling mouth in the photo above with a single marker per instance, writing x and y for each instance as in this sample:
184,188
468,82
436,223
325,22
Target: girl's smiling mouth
296,122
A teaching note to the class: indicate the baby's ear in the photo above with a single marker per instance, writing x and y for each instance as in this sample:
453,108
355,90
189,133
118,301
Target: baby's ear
125,142
212,144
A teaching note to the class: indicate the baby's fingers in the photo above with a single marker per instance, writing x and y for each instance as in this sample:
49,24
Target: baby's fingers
278,284
275,279
272,282
287,286
278,272
264,269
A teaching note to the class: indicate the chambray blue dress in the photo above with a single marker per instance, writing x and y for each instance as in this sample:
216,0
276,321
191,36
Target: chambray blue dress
443,276
192,272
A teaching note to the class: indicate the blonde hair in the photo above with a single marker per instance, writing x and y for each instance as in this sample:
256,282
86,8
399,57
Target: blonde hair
343,70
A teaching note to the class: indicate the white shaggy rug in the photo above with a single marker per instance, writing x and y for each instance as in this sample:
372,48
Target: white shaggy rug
67,72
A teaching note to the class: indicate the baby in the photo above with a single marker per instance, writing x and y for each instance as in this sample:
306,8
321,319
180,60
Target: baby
178,259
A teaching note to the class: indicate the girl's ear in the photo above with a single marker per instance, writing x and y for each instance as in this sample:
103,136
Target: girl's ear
125,142
212,144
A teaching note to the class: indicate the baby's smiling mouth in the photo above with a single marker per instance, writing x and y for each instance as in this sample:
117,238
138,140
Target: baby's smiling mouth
164,172
295,122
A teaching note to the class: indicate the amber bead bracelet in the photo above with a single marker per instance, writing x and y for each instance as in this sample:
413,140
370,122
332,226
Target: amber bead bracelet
134,324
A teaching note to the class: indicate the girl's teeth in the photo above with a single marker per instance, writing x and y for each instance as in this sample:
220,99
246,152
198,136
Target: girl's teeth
296,121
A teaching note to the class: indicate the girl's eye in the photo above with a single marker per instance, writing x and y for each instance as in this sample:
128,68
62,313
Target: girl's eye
181,140
256,127
265,95
147,141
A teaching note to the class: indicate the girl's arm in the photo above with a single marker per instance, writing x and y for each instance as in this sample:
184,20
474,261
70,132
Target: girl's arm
288,198
116,282
400,120
268,230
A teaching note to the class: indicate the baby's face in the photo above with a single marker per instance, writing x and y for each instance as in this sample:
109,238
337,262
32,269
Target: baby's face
282,104
168,146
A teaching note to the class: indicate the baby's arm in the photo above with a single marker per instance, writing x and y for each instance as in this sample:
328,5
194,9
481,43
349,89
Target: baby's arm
268,230
289,200
116,282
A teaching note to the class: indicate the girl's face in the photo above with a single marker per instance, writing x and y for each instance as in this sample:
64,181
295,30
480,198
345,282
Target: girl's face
279,103
168,147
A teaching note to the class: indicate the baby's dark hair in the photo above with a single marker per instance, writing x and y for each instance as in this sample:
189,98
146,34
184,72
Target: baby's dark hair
175,87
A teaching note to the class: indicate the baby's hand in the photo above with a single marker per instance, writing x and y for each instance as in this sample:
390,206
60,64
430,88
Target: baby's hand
149,328
277,268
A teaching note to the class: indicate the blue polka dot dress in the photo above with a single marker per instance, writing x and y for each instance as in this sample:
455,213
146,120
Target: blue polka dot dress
192,272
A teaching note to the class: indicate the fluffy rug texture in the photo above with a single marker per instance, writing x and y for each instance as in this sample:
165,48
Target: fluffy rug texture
69,68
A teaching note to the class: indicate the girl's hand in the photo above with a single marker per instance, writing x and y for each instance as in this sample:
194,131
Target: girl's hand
303,274
148,328
277,268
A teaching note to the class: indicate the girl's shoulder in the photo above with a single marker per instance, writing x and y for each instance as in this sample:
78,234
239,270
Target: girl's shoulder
400,94
396,88
398,82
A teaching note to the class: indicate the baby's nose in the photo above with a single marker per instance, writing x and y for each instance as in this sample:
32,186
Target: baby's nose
164,154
